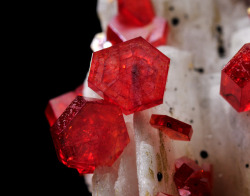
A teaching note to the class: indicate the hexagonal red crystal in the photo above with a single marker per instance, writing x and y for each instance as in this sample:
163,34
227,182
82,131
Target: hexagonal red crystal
89,133
155,32
175,129
57,105
235,80
136,12
132,74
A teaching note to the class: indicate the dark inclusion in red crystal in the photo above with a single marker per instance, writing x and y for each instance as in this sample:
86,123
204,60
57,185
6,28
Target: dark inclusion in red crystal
175,129
191,179
132,74
89,133
235,80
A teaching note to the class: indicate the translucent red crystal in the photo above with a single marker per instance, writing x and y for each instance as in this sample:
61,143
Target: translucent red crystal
136,12
155,32
190,179
132,74
235,80
89,133
57,105
175,129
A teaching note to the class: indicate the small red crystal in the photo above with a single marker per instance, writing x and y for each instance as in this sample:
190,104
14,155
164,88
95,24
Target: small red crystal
155,32
175,129
89,133
235,80
190,179
136,12
57,105
132,74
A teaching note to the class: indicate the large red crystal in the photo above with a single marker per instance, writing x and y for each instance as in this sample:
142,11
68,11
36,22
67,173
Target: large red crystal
57,105
89,133
235,80
155,32
138,12
175,129
190,179
132,74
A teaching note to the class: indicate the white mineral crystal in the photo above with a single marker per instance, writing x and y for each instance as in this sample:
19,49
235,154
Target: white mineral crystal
191,97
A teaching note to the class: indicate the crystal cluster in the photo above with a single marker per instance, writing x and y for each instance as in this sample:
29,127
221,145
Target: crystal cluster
131,74
235,80
192,179
136,18
89,133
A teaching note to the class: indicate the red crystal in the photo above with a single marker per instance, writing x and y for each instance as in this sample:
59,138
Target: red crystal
89,133
132,74
235,80
155,32
136,12
175,129
57,105
190,179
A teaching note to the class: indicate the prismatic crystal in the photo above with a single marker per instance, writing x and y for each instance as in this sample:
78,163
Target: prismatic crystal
175,129
89,133
235,80
132,74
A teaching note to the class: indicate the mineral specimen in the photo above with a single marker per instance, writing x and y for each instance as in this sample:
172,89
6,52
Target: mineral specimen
162,194
175,129
90,133
57,105
132,74
235,80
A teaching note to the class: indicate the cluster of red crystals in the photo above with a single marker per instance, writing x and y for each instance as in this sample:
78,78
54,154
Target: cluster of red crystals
132,74
89,133
57,105
136,18
136,12
175,129
162,194
191,179
235,80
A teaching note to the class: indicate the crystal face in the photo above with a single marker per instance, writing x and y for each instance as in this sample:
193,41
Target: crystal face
57,105
89,133
190,179
175,129
235,80
136,12
132,74
155,32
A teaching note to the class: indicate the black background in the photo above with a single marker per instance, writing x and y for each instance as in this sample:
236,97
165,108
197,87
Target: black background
54,45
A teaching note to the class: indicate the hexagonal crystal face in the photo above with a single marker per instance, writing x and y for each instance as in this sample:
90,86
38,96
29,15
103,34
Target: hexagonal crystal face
132,75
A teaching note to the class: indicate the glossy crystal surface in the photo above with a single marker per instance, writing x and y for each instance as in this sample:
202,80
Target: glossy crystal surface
235,80
132,74
89,133
175,129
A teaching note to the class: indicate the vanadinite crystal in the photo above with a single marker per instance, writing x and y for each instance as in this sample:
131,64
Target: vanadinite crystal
137,12
175,129
235,80
136,18
191,179
132,74
57,105
90,133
